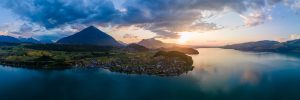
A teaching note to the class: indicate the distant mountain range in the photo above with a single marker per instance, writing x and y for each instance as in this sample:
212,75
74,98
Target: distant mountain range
28,40
267,46
9,39
90,36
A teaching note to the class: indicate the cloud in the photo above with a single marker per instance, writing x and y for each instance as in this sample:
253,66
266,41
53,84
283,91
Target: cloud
3,33
55,13
164,17
288,38
294,36
205,26
9,26
130,36
294,4
25,28
15,28
168,17
256,18
281,39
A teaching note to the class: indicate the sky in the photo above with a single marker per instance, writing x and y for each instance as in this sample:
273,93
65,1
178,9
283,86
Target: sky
189,22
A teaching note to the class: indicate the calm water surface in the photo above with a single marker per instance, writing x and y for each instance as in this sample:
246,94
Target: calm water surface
218,74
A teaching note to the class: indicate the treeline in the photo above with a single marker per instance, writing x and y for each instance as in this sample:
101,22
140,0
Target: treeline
8,44
70,48
174,54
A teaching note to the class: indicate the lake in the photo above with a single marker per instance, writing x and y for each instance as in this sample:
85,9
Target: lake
219,74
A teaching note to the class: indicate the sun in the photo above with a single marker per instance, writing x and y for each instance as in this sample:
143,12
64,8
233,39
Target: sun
184,37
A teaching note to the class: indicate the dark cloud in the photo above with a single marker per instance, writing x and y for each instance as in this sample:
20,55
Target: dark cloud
16,33
164,17
55,13
78,26
25,28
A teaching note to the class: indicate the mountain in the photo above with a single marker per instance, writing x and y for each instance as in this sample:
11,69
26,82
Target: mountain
292,46
159,45
135,48
28,40
9,39
265,45
90,36
154,44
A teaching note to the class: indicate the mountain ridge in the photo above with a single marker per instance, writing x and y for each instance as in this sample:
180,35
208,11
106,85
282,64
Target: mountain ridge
28,40
9,39
267,46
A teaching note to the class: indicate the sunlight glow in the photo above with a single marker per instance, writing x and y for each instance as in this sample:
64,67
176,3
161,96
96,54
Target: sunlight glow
184,37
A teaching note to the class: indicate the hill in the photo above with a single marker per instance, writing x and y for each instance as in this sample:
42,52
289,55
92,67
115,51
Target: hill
291,46
265,45
135,48
159,45
154,44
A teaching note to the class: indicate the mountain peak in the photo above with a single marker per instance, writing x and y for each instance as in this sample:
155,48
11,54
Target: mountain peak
90,36
92,27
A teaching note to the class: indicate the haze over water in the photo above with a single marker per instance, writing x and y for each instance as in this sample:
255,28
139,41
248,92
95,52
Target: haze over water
218,74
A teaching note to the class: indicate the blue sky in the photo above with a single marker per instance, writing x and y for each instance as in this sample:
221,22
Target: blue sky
194,22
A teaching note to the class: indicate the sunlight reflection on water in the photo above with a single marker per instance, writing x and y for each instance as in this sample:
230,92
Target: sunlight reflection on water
223,70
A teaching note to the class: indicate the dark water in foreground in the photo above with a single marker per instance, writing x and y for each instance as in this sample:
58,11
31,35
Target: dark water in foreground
219,74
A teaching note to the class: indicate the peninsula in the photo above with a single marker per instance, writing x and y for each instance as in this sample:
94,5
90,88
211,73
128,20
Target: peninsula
98,49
